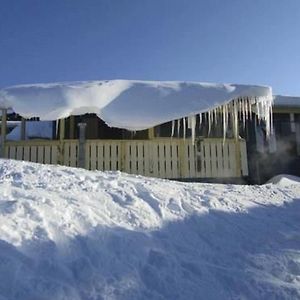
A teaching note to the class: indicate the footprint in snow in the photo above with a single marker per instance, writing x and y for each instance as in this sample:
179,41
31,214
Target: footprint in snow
173,206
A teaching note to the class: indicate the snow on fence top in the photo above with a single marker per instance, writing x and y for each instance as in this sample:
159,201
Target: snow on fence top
138,105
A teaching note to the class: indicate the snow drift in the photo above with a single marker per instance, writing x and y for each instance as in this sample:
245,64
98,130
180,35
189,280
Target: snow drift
134,105
75,234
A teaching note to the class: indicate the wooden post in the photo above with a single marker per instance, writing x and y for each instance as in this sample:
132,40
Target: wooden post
3,132
61,140
82,144
151,133
23,129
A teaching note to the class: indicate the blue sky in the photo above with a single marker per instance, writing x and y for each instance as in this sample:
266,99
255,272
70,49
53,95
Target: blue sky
238,41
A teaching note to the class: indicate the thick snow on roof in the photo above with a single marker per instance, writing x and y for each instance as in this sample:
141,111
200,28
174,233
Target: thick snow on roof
133,105
289,101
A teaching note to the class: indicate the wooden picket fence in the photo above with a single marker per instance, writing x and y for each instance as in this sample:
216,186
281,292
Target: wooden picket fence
160,157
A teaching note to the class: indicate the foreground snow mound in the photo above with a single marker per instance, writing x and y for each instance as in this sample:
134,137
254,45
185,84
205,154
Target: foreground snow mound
285,180
73,234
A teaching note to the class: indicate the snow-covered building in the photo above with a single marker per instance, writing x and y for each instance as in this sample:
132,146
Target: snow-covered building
164,129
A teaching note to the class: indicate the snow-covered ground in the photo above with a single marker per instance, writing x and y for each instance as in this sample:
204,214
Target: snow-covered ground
74,234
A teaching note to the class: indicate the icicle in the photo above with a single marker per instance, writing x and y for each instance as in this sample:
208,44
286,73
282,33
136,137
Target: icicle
200,121
178,128
246,109
209,122
189,126
56,128
224,122
184,128
173,128
240,108
216,115
250,108
244,113
193,128
235,118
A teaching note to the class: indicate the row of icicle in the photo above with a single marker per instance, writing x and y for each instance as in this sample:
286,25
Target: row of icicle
240,109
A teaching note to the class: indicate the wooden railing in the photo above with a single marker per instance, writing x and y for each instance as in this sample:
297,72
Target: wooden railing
160,157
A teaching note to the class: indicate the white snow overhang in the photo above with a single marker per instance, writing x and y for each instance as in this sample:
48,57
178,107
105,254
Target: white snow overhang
129,104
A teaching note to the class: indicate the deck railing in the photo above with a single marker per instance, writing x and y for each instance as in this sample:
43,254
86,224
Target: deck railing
160,157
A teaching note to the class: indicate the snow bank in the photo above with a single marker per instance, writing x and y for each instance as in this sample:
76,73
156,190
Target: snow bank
74,234
285,180
132,105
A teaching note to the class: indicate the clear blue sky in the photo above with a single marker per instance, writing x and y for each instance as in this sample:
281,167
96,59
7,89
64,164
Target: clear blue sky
238,41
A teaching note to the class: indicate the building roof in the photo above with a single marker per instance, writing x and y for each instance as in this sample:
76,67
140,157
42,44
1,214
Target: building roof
128,104
286,101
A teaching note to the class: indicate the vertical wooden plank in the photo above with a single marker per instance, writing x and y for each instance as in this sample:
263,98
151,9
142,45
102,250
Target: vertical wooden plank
126,155
73,154
40,154
66,154
226,162
6,152
146,159
154,158
33,154
192,161
47,158
232,159
134,158
161,159
19,152
107,156
54,152
140,158
12,152
203,166
114,157
213,149
91,155
183,159
220,166
168,158
208,172
26,155
244,160
100,156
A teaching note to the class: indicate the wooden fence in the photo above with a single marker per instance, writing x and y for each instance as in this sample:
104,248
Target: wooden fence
164,158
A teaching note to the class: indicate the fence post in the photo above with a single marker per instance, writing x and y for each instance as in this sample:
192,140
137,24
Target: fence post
3,132
61,123
82,144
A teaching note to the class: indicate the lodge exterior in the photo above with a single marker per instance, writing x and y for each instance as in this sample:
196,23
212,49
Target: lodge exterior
150,152
223,134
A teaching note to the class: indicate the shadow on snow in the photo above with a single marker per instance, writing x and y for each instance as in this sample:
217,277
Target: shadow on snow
253,255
